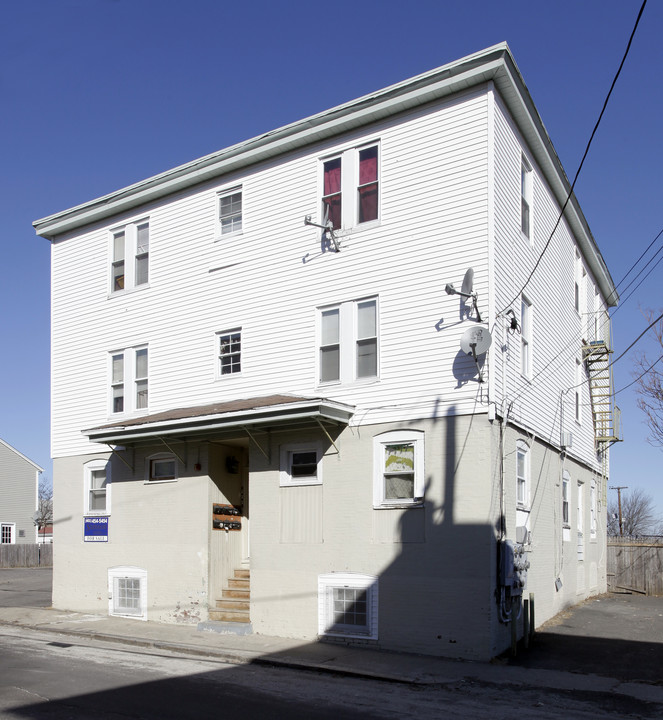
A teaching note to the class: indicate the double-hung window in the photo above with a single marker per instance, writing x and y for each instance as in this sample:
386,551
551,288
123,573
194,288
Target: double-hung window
229,352
230,212
130,256
566,484
129,380
522,475
526,198
525,337
97,487
350,187
348,341
398,466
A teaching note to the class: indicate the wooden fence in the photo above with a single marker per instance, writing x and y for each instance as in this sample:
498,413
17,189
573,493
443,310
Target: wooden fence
26,556
635,564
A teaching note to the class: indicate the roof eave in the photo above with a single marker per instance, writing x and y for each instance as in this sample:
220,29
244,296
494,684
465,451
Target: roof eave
324,410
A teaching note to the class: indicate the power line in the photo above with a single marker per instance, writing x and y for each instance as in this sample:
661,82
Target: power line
575,179
639,376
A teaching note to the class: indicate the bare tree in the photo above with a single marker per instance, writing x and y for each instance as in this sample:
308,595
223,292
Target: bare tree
639,515
650,385
44,515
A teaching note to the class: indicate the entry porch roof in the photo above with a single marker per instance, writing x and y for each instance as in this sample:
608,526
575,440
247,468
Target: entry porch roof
225,419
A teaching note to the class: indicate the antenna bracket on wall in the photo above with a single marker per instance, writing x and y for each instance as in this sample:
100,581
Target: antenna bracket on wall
328,227
466,291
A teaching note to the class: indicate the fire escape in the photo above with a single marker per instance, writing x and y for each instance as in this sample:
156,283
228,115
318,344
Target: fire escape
606,415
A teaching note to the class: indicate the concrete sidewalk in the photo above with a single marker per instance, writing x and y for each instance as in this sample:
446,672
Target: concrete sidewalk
327,657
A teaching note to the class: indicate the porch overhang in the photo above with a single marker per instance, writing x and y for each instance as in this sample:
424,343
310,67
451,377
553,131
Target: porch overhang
223,420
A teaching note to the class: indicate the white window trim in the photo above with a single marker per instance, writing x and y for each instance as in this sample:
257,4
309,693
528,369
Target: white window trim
593,511
148,468
128,382
219,235
566,481
416,438
218,375
348,339
326,585
524,448
526,194
127,571
349,187
130,230
526,337
285,478
577,392
12,532
88,469
580,521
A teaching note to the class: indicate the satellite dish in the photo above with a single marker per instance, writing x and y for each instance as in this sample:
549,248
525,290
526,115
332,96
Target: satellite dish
475,342
466,291
468,282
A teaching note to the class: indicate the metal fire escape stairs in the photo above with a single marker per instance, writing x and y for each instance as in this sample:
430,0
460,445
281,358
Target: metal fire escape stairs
606,415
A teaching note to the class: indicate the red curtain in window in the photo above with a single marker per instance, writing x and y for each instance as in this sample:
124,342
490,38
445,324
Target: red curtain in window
368,185
332,191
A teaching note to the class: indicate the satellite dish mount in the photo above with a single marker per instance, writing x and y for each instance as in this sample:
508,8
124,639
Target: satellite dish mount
466,291
327,226
475,342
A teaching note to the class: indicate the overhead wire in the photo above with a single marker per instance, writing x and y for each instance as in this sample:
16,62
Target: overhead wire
582,162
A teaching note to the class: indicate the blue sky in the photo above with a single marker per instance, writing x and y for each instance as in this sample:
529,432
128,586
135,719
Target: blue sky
98,94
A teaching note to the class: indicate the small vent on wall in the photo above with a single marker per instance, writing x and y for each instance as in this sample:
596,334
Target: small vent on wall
21,533
566,439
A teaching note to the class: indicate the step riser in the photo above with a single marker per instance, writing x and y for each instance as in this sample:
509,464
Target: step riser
224,616
233,605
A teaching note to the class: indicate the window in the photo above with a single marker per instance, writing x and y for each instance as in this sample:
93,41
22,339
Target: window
7,533
580,286
127,592
578,390
230,212
522,474
97,487
565,500
348,605
592,509
162,468
525,337
580,523
348,342
398,465
525,197
229,352
130,250
300,464
129,368
350,187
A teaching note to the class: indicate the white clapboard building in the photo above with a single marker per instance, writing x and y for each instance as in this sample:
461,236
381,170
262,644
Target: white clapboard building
316,385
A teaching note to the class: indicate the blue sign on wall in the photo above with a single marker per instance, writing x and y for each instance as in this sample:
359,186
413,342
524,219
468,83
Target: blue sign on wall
95,529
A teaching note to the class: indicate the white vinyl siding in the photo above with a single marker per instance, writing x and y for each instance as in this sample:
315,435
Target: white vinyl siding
196,289
558,327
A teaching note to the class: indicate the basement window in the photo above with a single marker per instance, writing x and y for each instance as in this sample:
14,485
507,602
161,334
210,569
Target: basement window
348,605
127,592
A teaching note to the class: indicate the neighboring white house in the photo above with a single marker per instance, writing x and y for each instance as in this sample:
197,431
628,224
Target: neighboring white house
19,488
266,407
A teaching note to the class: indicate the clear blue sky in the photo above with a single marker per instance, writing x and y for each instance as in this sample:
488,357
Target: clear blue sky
98,94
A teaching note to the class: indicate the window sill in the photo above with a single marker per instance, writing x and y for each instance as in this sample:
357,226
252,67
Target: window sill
358,228
159,482
128,291
96,513
399,506
302,483
228,236
358,382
